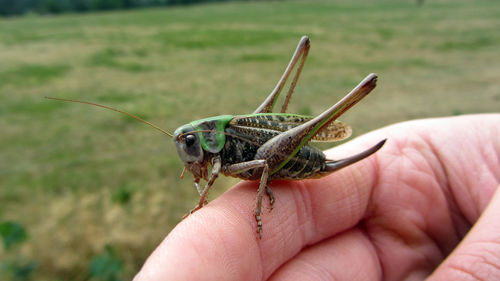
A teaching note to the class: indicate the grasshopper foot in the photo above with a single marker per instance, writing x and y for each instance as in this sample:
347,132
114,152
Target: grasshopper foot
192,211
259,225
199,206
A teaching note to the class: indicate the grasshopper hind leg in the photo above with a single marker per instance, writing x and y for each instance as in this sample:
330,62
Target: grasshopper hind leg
300,54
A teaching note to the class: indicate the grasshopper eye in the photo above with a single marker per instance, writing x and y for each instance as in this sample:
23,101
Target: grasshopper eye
190,140
188,145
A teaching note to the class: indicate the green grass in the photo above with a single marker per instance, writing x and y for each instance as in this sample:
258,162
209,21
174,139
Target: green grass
82,180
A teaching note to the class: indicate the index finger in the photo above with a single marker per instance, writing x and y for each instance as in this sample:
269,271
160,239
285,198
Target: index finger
219,241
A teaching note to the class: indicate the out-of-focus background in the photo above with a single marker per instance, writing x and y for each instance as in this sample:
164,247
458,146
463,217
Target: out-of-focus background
87,194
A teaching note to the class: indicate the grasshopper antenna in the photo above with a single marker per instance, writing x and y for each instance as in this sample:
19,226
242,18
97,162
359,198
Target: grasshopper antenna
117,110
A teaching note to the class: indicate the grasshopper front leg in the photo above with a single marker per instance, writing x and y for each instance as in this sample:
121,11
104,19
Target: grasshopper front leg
216,167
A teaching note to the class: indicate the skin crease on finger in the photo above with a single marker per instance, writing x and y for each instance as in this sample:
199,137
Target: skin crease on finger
421,208
412,203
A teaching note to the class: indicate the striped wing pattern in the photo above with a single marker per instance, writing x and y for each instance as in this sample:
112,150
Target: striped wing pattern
335,131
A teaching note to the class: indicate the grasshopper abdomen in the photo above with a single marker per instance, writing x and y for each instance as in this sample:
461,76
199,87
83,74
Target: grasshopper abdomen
242,143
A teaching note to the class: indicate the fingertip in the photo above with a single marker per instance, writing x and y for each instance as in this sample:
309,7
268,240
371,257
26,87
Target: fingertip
210,242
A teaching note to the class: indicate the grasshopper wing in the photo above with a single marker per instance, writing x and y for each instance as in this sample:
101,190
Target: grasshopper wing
282,122
335,131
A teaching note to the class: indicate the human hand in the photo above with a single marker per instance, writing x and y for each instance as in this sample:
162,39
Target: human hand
401,214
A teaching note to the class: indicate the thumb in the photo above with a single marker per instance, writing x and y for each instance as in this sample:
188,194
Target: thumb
477,257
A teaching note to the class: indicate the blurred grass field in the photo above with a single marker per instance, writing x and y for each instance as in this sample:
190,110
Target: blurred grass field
80,179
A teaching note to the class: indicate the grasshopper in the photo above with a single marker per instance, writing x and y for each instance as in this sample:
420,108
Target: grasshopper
265,146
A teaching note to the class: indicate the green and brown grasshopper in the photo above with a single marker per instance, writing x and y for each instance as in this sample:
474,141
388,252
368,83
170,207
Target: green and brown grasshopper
265,146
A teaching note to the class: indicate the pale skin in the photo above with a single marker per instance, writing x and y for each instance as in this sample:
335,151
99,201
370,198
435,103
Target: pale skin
424,206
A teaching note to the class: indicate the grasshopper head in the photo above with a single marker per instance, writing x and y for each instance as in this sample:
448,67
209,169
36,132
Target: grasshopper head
188,145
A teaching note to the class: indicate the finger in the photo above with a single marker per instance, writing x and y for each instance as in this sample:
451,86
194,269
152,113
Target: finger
348,256
478,256
221,237
206,244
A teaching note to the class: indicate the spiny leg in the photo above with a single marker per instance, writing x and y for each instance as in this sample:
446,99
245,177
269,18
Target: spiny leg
216,166
200,191
197,185
263,185
258,201
300,53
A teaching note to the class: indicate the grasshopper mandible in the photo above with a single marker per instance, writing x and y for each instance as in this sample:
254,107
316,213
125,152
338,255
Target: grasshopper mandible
265,146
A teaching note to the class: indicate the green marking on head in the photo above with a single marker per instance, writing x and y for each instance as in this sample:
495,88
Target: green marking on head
211,132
